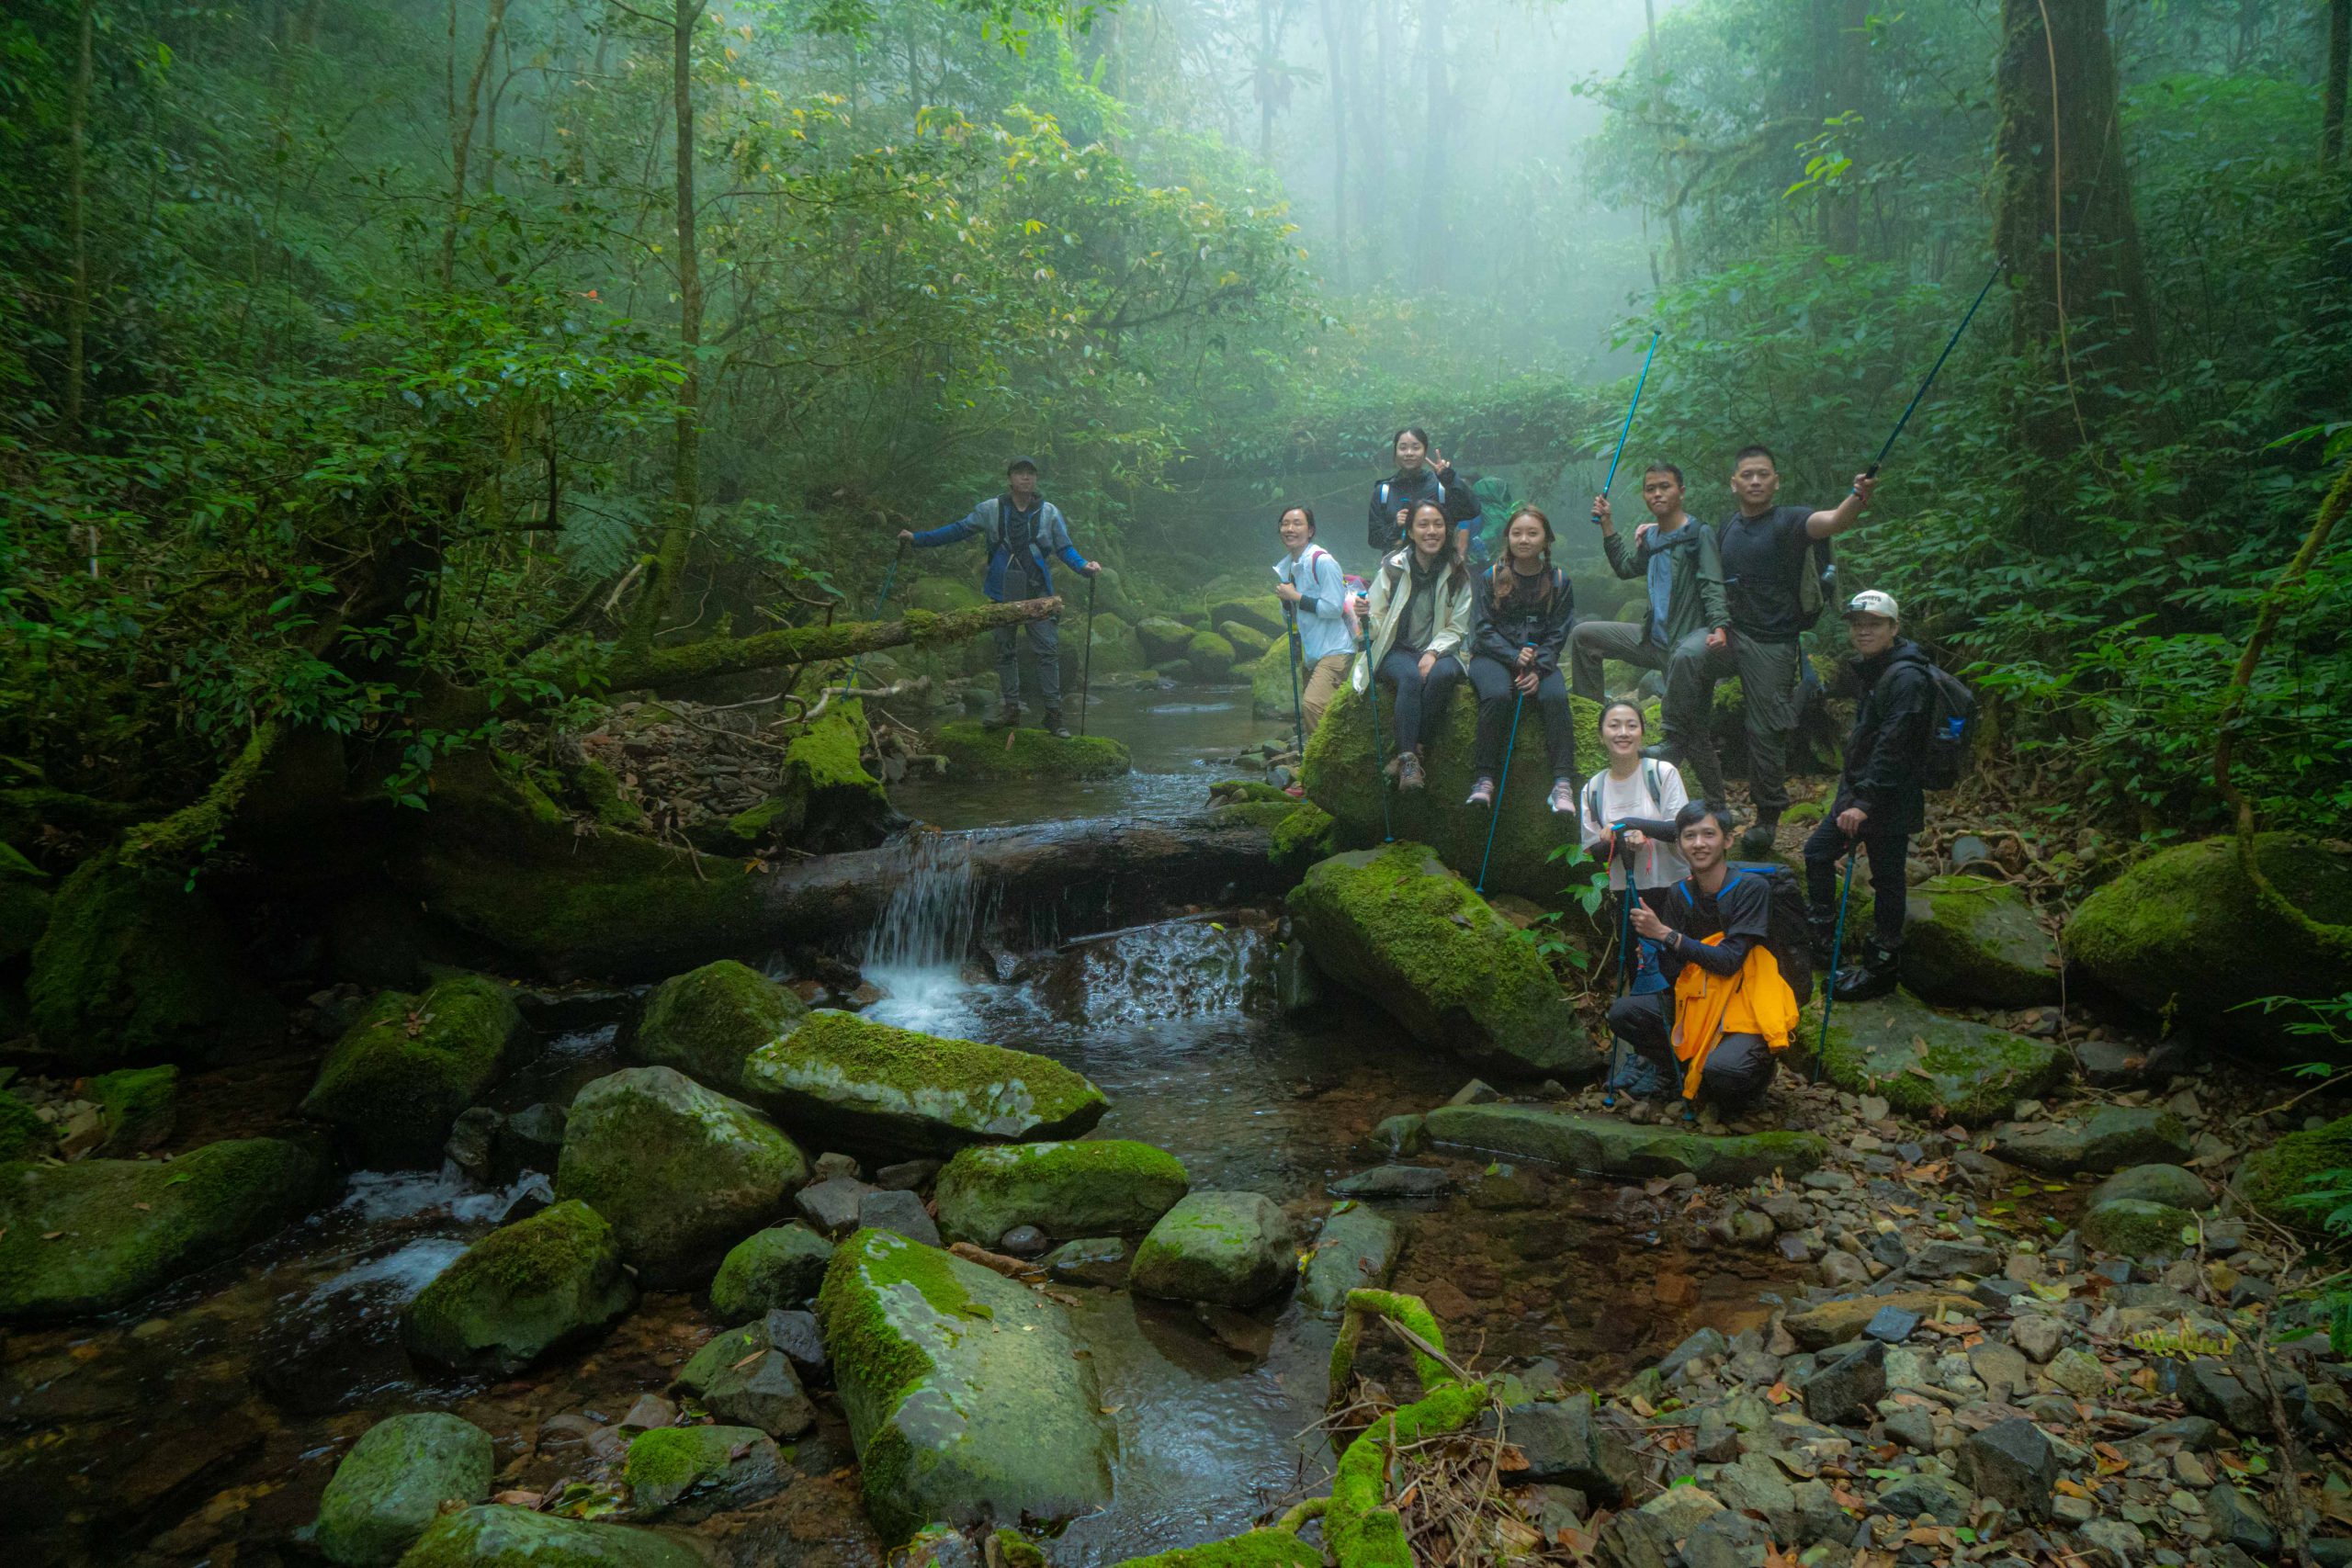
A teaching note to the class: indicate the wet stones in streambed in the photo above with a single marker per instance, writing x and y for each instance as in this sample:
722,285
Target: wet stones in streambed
714,1467
707,1021
965,1396
2110,1138
1394,925
975,752
780,1266
392,1086
1395,1181
1098,1260
1065,1188
394,1482
912,1093
498,1533
1604,1146
1924,1064
97,1234
1357,1250
1233,1248
680,1171
746,1377
521,1292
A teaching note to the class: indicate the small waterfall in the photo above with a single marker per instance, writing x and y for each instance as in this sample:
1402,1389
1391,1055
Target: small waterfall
1162,973
916,952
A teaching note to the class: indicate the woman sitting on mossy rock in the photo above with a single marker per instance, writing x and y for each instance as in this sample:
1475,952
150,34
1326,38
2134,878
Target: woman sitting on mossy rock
1419,632
1523,609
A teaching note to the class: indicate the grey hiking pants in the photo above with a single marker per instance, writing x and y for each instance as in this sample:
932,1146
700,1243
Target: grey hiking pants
1593,642
1045,645
1768,680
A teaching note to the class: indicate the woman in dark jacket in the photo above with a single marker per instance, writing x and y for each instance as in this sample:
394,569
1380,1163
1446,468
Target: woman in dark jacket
1521,613
1421,474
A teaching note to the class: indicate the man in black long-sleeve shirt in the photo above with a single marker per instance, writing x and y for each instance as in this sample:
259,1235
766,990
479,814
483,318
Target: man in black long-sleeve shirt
1880,802
1713,900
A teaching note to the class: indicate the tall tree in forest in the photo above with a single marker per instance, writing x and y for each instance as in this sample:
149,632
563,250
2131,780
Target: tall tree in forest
1838,51
1436,243
462,119
685,460
77,217
2338,63
1672,197
1333,52
2064,223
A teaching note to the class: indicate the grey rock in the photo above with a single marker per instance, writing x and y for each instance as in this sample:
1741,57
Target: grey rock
471,1137
1023,1241
2038,1335
1705,1342
1819,1518
2079,1372
2236,1520
2004,1371
2012,1462
531,1139
1478,1091
1635,1540
1682,1509
1400,1136
1566,1446
2167,1184
743,1379
1756,1486
1717,1440
2113,1542
1842,1270
907,1175
2209,1389
2113,1137
832,1165
1394,1181
1233,1248
901,1211
801,1340
1942,1259
1356,1250
1089,1260
1842,1392
831,1207
1932,1495
1915,1429
1724,1540
2195,1433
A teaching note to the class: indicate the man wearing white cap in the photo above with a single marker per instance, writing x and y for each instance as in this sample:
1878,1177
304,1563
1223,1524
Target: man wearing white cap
1881,801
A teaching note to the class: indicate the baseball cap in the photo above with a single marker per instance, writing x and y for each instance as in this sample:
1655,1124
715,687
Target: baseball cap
1871,601
1028,463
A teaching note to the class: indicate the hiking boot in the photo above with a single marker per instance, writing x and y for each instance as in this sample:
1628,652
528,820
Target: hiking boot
1757,842
1003,718
1053,726
1822,937
1482,793
1872,974
1562,800
1408,771
1296,791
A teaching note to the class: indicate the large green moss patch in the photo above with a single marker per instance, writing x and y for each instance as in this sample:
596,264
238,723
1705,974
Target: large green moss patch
974,751
399,1075
1606,1146
1109,1187
705,1023
521,1292
1925,1063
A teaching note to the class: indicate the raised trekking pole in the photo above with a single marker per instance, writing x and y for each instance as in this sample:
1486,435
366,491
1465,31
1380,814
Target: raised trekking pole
1496,819
1837,947
1379,747
1628,427
1872,471
1298,653
1086,661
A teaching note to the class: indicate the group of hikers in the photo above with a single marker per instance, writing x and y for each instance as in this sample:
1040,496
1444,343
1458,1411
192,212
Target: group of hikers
1710,996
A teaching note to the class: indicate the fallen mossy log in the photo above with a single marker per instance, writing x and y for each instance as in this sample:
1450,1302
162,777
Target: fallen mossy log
628,668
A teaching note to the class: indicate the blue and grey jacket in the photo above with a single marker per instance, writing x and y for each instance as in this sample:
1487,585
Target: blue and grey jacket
996,519
1322,631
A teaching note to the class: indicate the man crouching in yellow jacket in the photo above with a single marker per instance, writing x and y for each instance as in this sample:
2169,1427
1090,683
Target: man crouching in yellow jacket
1730,1012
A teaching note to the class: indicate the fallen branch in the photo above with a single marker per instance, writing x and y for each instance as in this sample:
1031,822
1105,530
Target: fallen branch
196,825
632,668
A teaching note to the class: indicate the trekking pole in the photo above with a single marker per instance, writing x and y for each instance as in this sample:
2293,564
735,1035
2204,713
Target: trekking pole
1496,820
1628,427
1297,653
889,580
1086,661
1837,946
1872,471
1624,964
1379,747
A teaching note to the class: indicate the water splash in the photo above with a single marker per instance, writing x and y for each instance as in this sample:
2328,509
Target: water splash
917,949
1158,973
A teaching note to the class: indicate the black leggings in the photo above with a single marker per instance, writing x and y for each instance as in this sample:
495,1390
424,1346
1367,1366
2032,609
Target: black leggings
1420,705
1890,883
1497,701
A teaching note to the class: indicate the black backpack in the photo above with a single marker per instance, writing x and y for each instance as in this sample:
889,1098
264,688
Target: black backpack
1788,935
1952,730
1818,579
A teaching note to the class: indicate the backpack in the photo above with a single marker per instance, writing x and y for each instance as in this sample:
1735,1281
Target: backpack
1649,782
1818,579
1952,730
1788,935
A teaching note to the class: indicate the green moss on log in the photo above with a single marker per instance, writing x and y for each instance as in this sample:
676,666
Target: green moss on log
975,752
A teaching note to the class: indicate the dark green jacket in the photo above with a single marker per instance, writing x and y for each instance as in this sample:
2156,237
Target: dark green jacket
1694,585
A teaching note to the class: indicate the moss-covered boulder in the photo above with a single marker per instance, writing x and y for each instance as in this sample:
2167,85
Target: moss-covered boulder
2171,1185
134,966
392,1087
745,1377
1268,1547
2275,1179
393,1482
1356,1251
966,1395
1924,1064
1163,638
1248,643
1395,925
1117,649
974,751
1109,1187
1604,1145
1973,942
721,1466
2134,1227
1260,613
499,1535
2185,930
1233,1248
1269,681
89,1238
23,1133
1209,657
521,1292
682,1172
1305,834
1343,777
706,1022
896,1089
779,1268
2110,1138
138,1105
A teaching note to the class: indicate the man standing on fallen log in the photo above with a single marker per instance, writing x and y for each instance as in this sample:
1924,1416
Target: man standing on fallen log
1021,528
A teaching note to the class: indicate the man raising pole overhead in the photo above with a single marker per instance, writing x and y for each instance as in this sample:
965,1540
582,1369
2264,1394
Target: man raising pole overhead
1021,528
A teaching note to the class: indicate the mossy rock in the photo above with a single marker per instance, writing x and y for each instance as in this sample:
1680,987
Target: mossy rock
1233,1248
1356,1251
1263,814
138,1105
394,1482
2111,1138
1260,613
599,793
1209,657
1925,1065
682,1172
974,751
1248,642
23,1133
824,799
724,1466
1973,942
92,1237
1267,1547
965,1396
135,966
1164,639
1305,834
2136,1228
2185,931
1604,1145
741,1376
1270,682
1067,1189
1394,925
774,1268
499,1535
706,1022
1343,777
521,1292
2274,1177
1117,649
396,1081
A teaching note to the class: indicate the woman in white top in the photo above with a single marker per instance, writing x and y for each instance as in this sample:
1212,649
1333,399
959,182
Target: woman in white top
1633,788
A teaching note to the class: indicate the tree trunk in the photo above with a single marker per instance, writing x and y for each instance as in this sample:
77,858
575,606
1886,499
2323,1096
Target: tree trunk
1840,80
1266,83
2063,225
1665,147
77,212
2339,57
1377,112
1437,242
462,118
1339,144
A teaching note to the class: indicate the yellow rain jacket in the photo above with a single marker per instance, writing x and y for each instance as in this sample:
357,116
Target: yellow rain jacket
1708,1007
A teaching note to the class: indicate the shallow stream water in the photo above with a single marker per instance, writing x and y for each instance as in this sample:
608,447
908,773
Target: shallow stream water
201,1428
